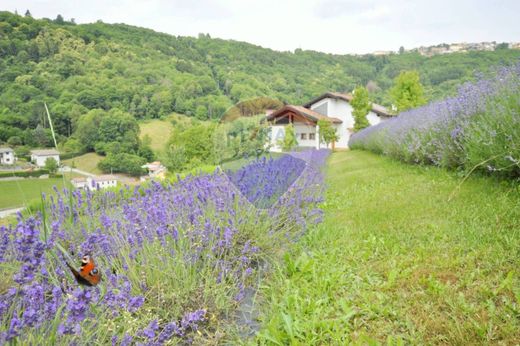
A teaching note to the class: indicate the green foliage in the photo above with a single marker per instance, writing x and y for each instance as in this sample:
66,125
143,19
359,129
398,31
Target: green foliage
79,68
328,133
242,137
122,163
51,165
289,140
175,158
24,174
490,142
362,106
407,91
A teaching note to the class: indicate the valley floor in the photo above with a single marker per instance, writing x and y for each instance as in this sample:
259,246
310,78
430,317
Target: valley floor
405,254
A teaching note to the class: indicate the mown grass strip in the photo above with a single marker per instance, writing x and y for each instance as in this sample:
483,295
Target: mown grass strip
397,260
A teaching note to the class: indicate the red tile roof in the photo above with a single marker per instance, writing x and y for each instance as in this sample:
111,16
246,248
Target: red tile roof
304,112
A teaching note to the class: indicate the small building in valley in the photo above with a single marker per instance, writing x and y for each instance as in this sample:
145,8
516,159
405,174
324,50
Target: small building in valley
101,182
40,156
331,106
155,170
7,156
79,182
94,183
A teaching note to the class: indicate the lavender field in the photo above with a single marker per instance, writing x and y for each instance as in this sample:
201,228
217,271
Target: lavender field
478,129
176,261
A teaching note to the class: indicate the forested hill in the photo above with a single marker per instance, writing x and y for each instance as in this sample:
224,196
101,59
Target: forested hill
76,68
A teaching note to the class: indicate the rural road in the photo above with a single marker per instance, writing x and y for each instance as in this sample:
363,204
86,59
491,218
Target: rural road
75,170
7,212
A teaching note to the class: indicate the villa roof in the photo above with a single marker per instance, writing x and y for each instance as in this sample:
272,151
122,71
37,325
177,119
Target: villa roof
106,177
45,152
79,180
304,112
378,109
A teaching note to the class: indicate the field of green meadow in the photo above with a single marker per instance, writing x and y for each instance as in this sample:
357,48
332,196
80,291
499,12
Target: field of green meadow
405,255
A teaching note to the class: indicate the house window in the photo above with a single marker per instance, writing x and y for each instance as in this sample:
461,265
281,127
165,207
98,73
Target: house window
303,136
312,136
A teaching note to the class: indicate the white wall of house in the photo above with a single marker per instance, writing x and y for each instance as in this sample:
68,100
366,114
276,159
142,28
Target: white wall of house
277,133
305,134
7,158
94,184
342,110
39,160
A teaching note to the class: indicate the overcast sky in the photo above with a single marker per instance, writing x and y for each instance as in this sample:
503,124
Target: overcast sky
332,26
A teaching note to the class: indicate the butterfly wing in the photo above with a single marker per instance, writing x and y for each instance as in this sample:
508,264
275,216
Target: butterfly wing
78,276
88,274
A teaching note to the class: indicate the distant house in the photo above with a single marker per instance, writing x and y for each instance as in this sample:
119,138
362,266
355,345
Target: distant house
94,183
331,106
7,156
79,182
40,156
155,170
101,182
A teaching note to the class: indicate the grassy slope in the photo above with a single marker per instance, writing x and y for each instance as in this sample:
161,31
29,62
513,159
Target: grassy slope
159,132
87,162
395,258
18,193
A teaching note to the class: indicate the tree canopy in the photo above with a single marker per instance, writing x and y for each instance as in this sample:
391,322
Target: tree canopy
361,104
407,91
78,69
328,133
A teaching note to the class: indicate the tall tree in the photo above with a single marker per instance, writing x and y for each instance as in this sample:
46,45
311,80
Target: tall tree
328,133
362,106
51,165
289,141
407,91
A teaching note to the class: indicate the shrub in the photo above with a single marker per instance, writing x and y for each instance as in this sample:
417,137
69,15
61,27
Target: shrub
479,128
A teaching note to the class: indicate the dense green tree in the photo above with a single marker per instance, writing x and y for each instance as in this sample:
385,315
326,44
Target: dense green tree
407,91
289,140
328,133
122,163
361,105
51,165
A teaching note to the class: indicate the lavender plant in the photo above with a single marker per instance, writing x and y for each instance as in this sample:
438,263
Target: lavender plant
176,259
479,128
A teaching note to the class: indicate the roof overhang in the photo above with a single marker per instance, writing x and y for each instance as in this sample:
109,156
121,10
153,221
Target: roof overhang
308,114
378,109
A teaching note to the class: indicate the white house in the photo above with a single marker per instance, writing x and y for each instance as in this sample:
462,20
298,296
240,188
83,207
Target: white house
40,156
7,156
101,182
155,170
331,106
94,183
79,182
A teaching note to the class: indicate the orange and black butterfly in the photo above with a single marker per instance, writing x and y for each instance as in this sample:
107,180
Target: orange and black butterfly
88,274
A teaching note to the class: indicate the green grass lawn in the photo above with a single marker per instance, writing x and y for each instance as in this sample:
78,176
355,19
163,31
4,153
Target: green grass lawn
87,162
404,256
159,132
18,193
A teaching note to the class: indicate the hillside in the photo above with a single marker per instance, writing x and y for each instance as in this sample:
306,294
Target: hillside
76,68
